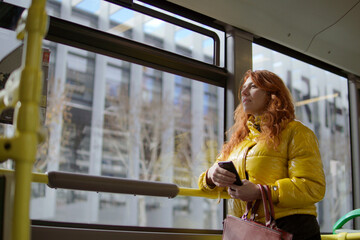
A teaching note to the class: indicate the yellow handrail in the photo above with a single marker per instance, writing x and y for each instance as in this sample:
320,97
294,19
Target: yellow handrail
36,177
193,192
341,236
23,93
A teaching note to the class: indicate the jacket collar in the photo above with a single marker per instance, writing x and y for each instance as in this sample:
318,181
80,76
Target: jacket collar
253,124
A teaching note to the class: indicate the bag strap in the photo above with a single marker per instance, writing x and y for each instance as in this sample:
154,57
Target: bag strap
269,198
268,204
255,206
247,210
268,207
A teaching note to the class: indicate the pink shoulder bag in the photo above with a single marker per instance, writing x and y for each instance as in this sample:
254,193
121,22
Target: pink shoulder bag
243,228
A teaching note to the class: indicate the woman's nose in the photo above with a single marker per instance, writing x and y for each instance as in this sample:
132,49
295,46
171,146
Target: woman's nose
244,91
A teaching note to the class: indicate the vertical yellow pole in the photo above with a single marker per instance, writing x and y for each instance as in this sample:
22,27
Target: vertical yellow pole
27,120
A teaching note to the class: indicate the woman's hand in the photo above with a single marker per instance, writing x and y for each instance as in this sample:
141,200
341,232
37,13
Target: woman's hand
247,192
220,177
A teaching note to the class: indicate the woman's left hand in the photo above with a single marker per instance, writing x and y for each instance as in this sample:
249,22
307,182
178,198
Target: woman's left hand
247,192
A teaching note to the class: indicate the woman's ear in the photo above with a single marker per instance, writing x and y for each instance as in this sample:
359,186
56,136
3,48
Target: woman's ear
271,97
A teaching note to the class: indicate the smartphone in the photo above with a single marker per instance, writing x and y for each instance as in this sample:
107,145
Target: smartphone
229,165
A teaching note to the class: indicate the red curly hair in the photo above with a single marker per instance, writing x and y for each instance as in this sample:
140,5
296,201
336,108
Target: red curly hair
279,111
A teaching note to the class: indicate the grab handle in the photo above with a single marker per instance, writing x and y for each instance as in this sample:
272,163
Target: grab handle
344,219
86,182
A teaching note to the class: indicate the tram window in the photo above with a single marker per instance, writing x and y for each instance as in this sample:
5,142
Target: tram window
113,118
130,24
8,34
322,104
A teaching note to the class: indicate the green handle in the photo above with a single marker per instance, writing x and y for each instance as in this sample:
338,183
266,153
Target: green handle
344,219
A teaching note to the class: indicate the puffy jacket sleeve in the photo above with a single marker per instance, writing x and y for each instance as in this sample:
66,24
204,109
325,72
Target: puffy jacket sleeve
204,186
306,182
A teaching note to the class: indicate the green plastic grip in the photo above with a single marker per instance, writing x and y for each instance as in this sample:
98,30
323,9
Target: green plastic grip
344,219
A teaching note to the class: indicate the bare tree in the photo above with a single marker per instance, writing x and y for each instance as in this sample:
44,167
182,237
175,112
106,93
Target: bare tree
56,109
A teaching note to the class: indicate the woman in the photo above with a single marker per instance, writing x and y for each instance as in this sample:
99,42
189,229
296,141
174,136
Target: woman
268,146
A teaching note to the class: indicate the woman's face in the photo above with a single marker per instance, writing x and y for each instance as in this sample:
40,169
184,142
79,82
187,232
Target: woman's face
253,98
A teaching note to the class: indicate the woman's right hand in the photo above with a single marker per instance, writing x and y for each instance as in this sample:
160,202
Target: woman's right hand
220,177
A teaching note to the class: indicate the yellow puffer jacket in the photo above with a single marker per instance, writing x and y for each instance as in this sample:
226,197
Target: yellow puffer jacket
294,171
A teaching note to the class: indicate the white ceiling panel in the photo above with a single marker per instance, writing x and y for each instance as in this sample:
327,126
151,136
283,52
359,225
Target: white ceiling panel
328,30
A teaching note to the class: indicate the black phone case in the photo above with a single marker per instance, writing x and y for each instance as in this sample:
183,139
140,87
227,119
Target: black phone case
229,165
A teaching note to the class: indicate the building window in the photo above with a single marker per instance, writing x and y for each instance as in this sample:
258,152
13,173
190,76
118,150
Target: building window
80,79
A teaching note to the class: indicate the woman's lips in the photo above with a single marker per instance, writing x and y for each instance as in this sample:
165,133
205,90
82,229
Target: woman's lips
246,100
